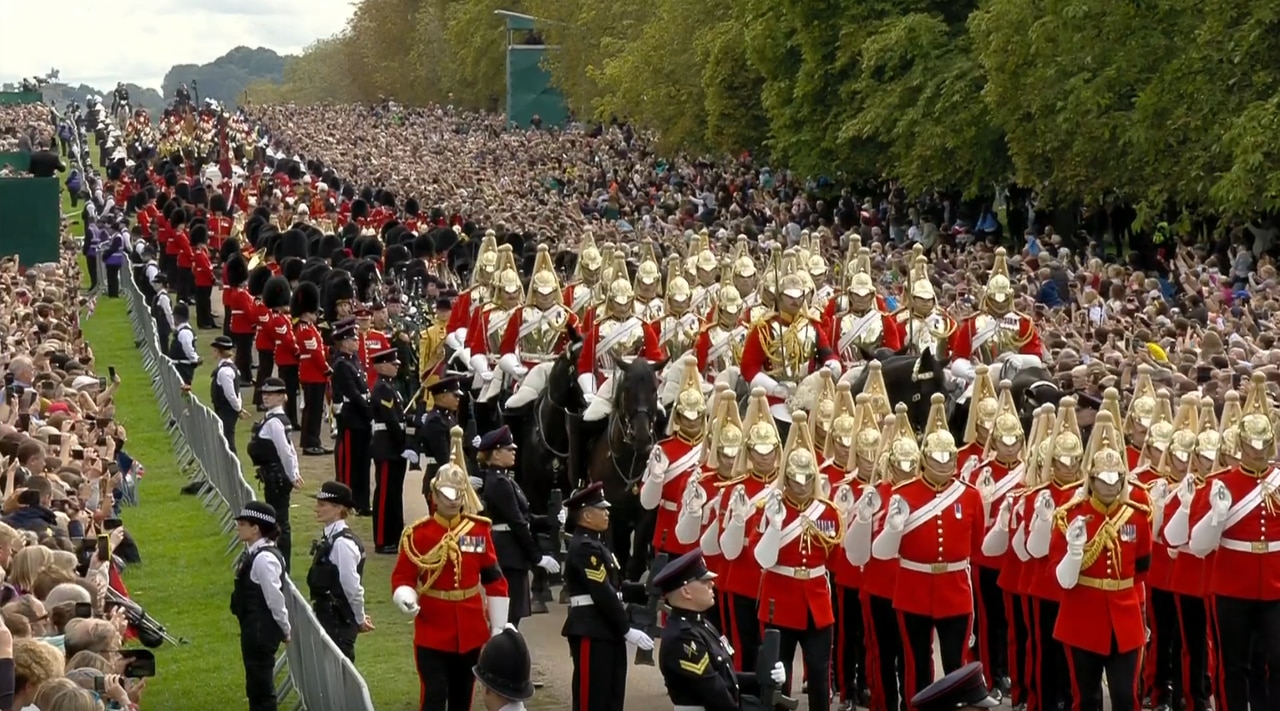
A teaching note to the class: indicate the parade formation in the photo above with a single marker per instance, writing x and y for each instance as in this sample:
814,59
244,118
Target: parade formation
731,450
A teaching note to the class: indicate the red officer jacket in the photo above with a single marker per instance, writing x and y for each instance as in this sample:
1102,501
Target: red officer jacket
1039,572
452,615
1160,573
811,534
1007,477
962,345
283,344
943,532
313,360
1107,599
742,574
239,309
1247,560
202,268
265,340
843,573
683,459
374,341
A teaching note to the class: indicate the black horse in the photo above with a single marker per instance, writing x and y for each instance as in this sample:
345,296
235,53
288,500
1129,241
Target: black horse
913,380
618,457
544,431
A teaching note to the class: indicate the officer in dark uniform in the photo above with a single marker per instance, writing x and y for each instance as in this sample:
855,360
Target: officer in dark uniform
276,460
257,601
962,689
597,626
337,565
433,431
503,671
350,387
162,309
182,350
695,660
389,452
513,524
224,392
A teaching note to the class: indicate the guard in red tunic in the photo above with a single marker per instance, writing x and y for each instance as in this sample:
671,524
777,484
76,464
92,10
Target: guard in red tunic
996,329
984,405
1234,518
237,305
614,334
445,562
202,274
313,366
537,332
862,328
1099,554
373,336
489,325
934,524
474,296
675,460
1143,412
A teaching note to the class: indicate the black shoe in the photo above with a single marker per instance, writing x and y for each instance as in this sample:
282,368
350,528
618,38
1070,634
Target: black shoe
364,512
538,607
386,550
314,451
1004,684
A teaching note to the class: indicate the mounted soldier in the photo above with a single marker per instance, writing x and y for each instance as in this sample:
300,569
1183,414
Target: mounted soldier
649,305
720,342
679,327
862,328
614,334
473,297
997,329
706,269
489,325
536,332
922,323
586,288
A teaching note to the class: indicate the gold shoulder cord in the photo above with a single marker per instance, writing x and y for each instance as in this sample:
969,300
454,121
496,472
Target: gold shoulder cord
812,532
446,551
1108,537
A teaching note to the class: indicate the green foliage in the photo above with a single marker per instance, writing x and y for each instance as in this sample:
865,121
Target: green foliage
226,78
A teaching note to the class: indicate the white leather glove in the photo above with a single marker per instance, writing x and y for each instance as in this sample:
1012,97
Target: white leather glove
511,365
1219,500
562,516
409,456
1186,492
588,398
738,505
835,367
962,368
775,511
406,599
782,391
896,517
498,609
778,674
1005,514
476,482
587,381
844,502
1044,505
1160,492
480,364
486,376
639,639
657,467
1077,536
868,504
549,564
475,442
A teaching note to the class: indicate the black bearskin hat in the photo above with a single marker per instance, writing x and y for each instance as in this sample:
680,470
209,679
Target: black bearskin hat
411,207
314,272
268,242
199,196
424,247
199,235
218,203
388,226
228,248
327,245
252,228
262,211
183,190
258,279
367,279
366,194
388,199
348,191
396,257
237,270
369,248
291,268
359,209
293,243
276,292
349,232
305,299
337,286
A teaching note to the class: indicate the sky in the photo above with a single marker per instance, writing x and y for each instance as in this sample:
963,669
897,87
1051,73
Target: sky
99,43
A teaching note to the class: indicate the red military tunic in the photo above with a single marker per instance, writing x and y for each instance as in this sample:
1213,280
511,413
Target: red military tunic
1160,574
590,356
1192,575
181,246
756,358
1007,478
265,339
202,268
1107,600
512,335
880,577
1039,572
460,314
452,612
238,306
889,336
811,535
374,341
313,360
943,532
683,459
712,515
1247,559
843,573
283,346
981,343
742,574
1013,578
968,459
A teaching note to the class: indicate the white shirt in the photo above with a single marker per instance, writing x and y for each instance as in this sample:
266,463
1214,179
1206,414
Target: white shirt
513,706
226,379
150,271
187,339
266,573
162,300
346,556
273,429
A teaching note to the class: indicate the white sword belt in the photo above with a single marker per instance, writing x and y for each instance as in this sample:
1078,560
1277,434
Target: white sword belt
937,568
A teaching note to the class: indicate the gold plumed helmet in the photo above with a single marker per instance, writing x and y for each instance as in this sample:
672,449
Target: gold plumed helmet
589,255
823,408
486,260
1209,439
690,402
876,391
999,286
1186,428
921,285
793,285
615,266
1006,426
1111,403
859,280
816,266
452,481
1229,425
984,404
761,432
1066,433
1160,431
544,280
743,265
799,461
937,439
866,432
1040,446
1256,424
728,300
727,437
1144,406
678,290
1105,458
899,443
706,259
649,272
844,421
620,290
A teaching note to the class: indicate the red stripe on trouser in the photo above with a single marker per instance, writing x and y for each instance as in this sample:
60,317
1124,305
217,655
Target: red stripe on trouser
1186,655
1137,697
1218,675
1076,696
873,660
1147,670
1017,688
982,623
838,668
584,674
383,475
1036,655
908,659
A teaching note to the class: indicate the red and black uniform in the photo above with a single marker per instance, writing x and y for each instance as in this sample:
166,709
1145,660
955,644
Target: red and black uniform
1051,681
242,324
849,664
202,273
264,341
313,375
992,614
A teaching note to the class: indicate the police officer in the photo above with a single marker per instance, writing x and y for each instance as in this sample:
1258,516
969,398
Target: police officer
962,689
695,660
389,452
503,672
350,387
162,309
224,393
257,601
433,432
273,456
182,350
337,565
513,524
597,626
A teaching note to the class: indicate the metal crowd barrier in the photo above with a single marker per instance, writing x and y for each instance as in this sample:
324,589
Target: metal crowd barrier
311,665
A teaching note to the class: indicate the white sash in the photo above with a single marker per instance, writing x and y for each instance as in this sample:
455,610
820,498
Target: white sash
984,335
939,503
719,347
1009,481
1244,506
496,325
527,326
615,337
862,324
792,530
581,295
683,463
669,329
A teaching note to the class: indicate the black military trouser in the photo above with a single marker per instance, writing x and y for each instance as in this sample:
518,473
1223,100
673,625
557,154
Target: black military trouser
1121,670
849,668
351,463
917,657
259,666
1166,645
204,306
338,625
113,281
1051,660
228,419
276,490
744,630
266,362
388,509
289,374
312,414
446,678
881,623
244,356
991,624
1246,626
1192,622
815,648
599,674
518,593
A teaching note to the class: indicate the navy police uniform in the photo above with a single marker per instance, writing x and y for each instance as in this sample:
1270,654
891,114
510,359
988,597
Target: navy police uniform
963,688
257,601
695,660
350,387
224,391
597,623
276,462
433,432
513,525
388,451
337,566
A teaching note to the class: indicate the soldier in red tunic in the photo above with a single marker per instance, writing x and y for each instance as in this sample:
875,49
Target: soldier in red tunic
1229,518
446,560
995,330
1143,412
801,531
675,460
1099,554
984,405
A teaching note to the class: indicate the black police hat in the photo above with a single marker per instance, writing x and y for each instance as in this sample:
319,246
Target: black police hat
336,493
592,496
274,386
450,384
344,329
683,570
962,687
504,666
498,439
390,355
259,513
223,343
444,303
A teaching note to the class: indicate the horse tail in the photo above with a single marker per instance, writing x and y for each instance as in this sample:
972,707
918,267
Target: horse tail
672,377
806,394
